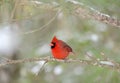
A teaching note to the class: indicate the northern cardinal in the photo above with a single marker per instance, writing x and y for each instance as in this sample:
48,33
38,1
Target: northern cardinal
60,50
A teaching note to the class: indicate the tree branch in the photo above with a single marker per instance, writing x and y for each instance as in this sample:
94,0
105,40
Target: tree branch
79,9
89,12
96,62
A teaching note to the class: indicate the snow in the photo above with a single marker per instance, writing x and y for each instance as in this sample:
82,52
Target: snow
58,70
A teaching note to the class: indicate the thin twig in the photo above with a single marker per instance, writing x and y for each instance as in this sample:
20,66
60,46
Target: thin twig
39,29
14,9
41,68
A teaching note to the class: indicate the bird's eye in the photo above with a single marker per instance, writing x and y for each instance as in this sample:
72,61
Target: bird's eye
53,44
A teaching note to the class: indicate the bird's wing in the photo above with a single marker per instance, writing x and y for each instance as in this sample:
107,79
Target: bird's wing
66,46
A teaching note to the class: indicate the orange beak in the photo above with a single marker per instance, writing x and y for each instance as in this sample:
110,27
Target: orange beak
51,44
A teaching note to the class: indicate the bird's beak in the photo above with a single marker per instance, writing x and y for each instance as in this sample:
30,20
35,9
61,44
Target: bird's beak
51,44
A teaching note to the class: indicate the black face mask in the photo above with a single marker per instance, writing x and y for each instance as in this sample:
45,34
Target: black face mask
53,46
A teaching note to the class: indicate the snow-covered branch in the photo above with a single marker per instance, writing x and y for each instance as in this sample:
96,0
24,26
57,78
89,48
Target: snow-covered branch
96,62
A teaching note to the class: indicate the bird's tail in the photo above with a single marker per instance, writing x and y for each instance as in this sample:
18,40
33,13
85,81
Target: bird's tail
73,53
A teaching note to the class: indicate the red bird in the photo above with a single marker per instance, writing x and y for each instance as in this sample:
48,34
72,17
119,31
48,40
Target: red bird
60,50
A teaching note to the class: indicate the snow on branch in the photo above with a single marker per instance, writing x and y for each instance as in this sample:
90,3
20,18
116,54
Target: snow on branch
89,12
80,10
94,62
